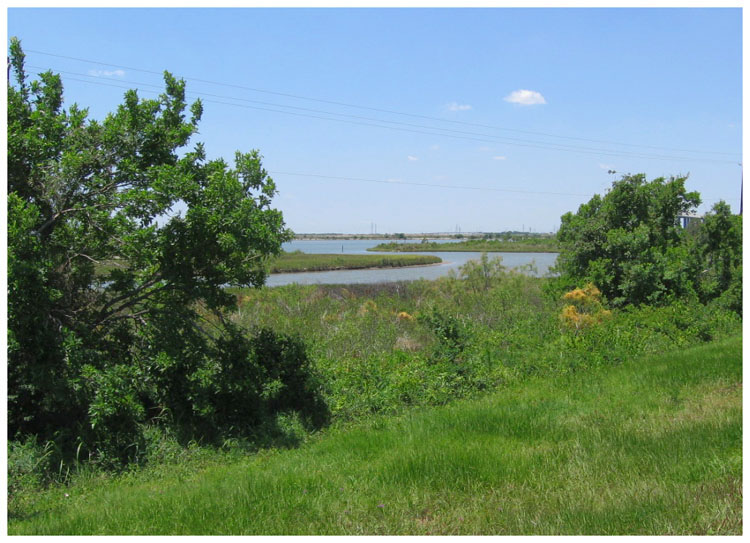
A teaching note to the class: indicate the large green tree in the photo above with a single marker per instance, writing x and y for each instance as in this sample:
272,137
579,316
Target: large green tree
121,242
629,242
717,249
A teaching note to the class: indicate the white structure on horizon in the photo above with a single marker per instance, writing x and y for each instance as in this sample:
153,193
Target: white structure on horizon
687,218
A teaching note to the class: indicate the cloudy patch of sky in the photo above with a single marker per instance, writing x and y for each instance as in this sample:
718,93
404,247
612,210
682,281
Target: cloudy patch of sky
525,97
107,73
455,106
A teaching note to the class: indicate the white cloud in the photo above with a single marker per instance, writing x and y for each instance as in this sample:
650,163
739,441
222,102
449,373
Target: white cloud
107,73
606,166
525,97
412,158
484,148
434,147
498,157
455,106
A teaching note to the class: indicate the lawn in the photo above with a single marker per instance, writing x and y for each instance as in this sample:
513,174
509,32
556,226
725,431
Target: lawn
650,446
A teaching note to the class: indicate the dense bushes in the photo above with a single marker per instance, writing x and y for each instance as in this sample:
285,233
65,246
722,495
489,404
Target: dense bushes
629,243
236,390
716,246
466,335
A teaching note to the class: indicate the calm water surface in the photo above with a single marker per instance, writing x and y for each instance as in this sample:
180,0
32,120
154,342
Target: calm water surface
451,261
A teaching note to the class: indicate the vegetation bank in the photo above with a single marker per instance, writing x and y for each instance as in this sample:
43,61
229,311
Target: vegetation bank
522,245
304,262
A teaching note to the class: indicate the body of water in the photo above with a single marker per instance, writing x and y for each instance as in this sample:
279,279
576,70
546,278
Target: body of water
451,261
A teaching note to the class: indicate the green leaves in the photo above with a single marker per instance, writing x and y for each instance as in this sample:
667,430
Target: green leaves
718,249
119,236
629,242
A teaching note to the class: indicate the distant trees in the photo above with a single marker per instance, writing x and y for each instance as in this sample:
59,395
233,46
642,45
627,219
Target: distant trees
120,244
630,245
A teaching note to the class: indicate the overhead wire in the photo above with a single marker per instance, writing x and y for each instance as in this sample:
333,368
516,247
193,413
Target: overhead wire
381,110
398,182
437,185
465,135
508,141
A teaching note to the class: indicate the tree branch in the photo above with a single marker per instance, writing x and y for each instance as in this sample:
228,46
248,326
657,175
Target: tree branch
134,297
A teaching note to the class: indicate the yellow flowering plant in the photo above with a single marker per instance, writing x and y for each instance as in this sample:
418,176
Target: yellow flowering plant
584,308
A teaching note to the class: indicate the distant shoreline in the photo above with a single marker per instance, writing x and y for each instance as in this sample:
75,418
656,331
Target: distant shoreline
362,269
531,245
420,236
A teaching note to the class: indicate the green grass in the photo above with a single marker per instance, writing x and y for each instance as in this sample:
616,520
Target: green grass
378,348
650,446
303,262
531,245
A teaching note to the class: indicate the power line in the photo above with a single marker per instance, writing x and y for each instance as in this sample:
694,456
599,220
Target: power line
459,187
210,101
110,84
495,139
393,112
508,141
196,93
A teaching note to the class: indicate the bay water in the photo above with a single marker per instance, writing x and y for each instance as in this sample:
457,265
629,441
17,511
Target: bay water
452,261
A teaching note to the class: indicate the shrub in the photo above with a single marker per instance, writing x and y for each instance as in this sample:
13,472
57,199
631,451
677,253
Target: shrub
243,384
584,308
481,275
29,465
451,334
630,244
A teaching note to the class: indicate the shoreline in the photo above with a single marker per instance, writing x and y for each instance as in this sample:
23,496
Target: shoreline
420,236
362,269
467,250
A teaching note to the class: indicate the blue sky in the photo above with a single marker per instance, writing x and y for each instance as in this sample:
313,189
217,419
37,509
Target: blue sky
485,119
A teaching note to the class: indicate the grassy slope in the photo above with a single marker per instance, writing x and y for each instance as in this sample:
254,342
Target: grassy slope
650,447
303,262
540,246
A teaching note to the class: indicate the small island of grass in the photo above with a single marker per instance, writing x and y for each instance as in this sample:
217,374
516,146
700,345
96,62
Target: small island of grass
304,262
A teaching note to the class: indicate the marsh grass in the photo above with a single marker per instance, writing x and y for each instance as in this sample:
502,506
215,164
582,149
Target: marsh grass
304,262
380,348
651,446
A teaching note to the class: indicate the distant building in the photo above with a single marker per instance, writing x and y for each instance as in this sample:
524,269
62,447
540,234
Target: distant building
686,218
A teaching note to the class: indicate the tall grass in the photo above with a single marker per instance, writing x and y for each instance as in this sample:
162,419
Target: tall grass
651,446
382,348
302,262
